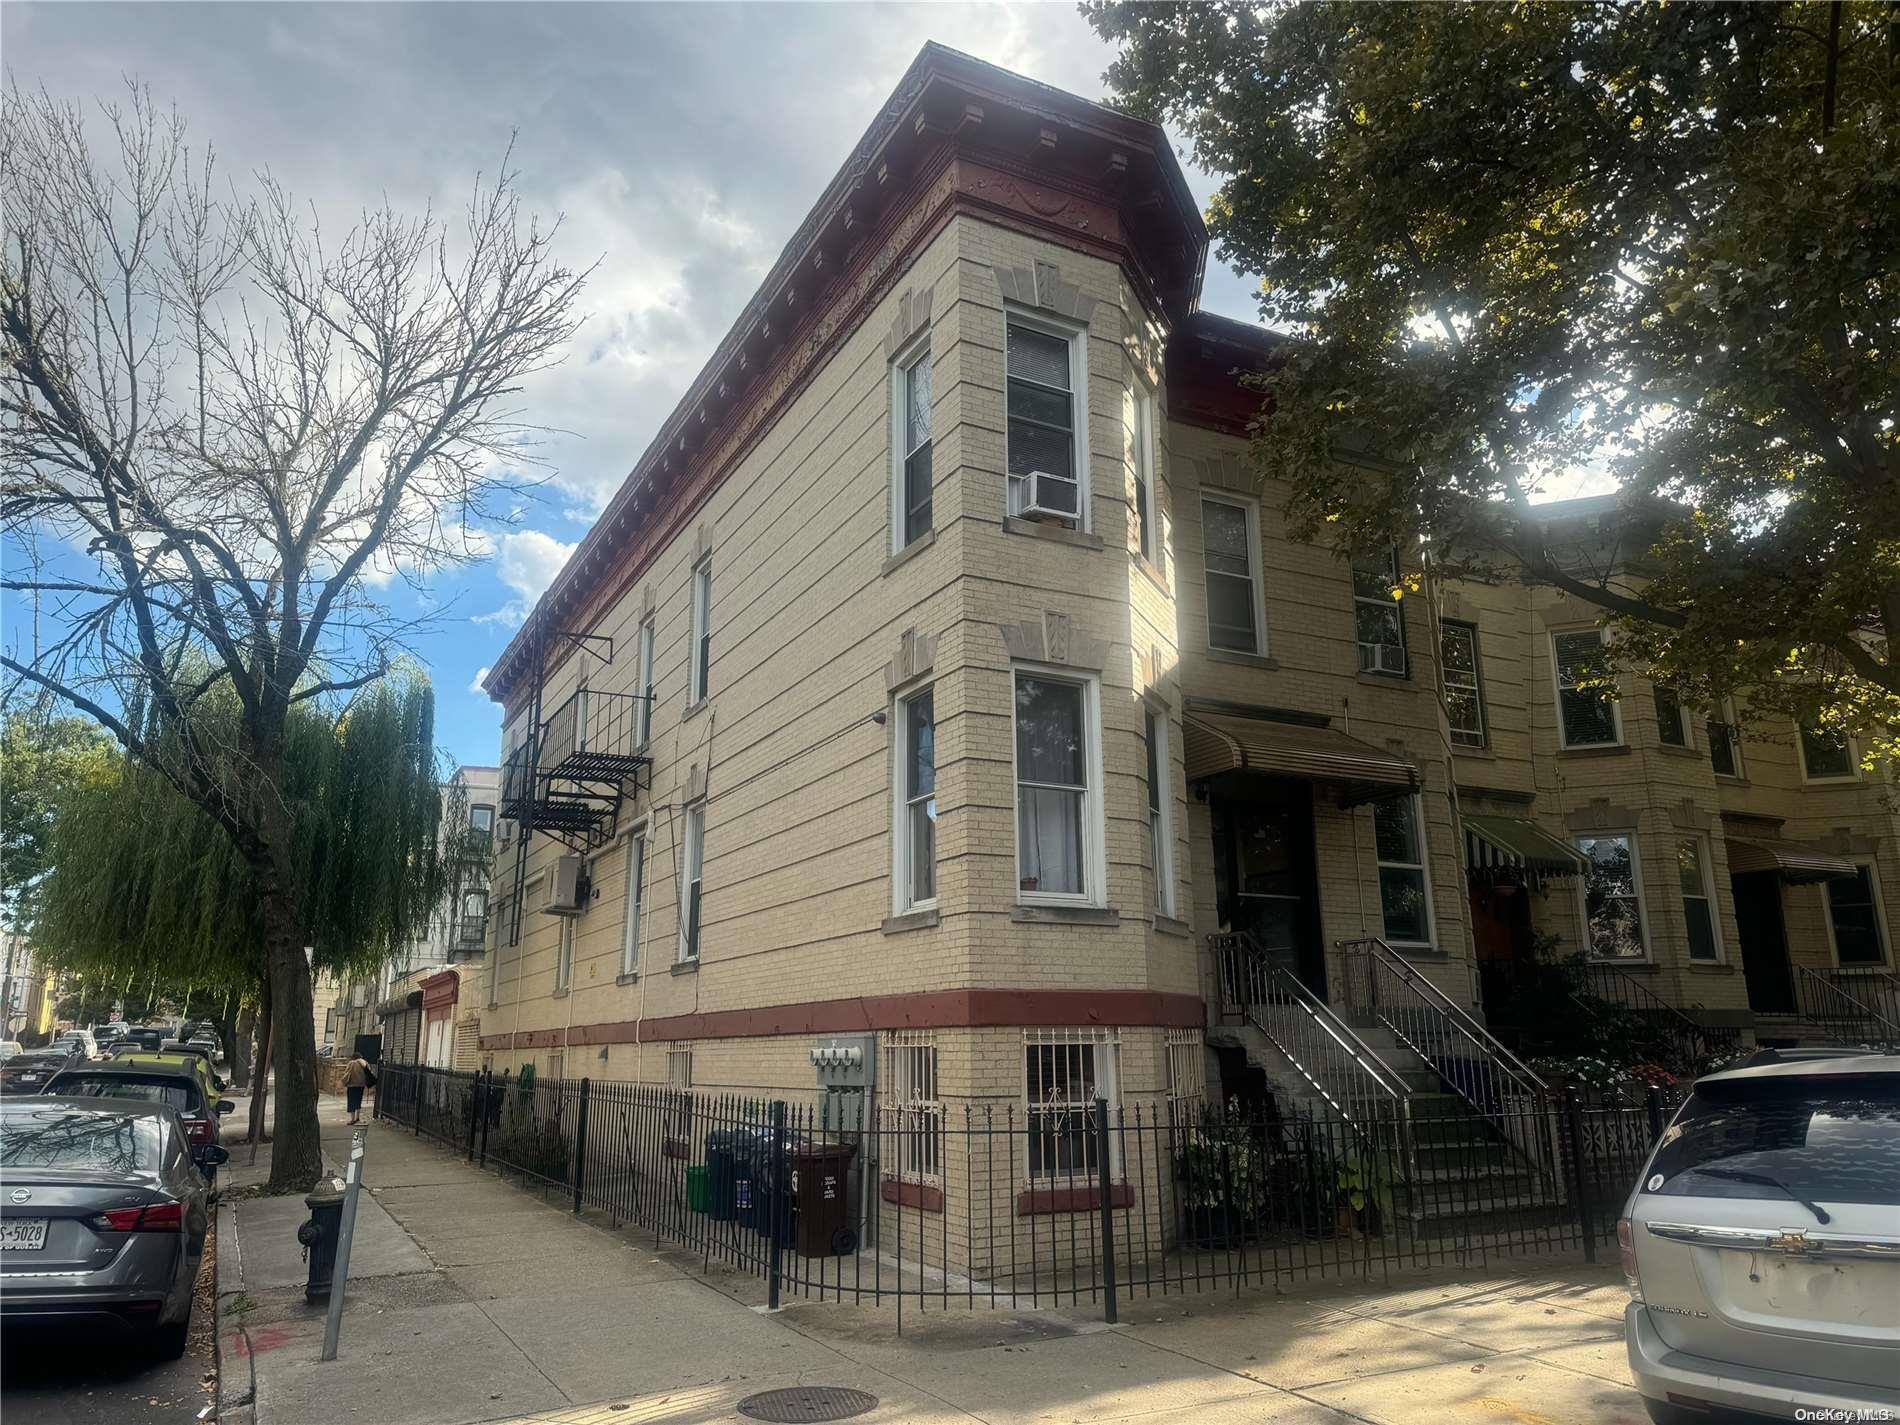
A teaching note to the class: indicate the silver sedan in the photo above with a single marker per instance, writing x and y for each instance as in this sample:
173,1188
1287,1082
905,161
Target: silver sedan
103,1216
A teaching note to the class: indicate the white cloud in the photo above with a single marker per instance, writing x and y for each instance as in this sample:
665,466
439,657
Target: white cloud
475,683
526,560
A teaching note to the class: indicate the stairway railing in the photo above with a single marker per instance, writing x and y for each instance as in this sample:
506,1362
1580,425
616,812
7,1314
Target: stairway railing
1821,1001
1467,1057
1687,1040
1874,987
1342,1068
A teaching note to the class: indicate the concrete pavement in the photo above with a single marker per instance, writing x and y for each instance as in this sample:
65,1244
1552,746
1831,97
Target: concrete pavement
472,1300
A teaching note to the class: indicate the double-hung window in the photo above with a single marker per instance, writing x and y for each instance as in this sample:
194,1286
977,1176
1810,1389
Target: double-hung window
1826,756
1047,449
700,650
910,1070
1378,621
1160,835
1057,777
1612,897
1404,903
910,426
1464,683
1725,741
1853,914
636,892
1698,900
1230,548
1146,509
692,875
1672,720
1066,1071
645,710
1587,715
915,842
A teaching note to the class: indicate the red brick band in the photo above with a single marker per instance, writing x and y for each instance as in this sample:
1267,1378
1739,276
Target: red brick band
947,1009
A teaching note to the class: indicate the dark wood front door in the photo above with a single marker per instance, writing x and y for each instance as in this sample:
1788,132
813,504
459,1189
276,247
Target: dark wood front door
1265,877
1501,940
1764,942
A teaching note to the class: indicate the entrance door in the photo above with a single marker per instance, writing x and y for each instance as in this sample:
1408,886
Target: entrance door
1764,942
1269,886
1501,939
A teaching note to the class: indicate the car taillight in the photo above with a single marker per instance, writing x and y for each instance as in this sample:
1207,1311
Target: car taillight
159,1217
1626,1249
200,1130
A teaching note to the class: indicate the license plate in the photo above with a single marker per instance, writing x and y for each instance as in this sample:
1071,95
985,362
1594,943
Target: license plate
22,1234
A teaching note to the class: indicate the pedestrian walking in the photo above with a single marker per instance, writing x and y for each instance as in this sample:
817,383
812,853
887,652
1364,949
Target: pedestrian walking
357,1076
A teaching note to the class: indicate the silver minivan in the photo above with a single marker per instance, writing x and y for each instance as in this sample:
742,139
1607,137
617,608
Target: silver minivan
1762,1244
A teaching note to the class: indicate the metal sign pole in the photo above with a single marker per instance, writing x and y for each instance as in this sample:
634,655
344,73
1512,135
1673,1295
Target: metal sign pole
339,1277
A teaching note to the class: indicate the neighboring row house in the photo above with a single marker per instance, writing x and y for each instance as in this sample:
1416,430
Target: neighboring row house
940,682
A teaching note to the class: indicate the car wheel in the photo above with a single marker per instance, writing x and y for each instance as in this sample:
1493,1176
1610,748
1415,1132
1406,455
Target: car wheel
1664,1412
168,1342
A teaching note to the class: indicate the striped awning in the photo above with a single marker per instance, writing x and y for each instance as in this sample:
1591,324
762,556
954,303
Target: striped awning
1506,847
1791,860
1214,743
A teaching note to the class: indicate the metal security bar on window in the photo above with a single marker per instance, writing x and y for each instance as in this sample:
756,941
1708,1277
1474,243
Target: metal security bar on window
1066,1074
915,1112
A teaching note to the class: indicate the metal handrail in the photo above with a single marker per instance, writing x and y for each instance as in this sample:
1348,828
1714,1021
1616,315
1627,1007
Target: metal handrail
1867,1022
1877,987
1320,1045
1605,981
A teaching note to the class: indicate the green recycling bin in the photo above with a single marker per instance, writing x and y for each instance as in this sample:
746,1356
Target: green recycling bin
698,1190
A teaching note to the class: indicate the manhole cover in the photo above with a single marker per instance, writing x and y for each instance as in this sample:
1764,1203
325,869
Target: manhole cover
807,1403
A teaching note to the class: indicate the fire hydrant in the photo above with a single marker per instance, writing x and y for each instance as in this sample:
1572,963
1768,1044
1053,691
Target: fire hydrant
318,1236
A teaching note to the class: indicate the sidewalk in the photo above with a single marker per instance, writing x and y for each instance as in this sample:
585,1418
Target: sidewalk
471,1300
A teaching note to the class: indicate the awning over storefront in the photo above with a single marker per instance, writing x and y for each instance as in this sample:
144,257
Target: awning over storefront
399,1004
1791,860
1218,742
1507,848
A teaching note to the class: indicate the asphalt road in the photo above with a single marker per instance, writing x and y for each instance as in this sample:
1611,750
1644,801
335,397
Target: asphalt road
96,1380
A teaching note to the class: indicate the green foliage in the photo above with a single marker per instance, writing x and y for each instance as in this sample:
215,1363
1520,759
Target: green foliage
1510,241
1365,1179
142,884
1222,1168
43,759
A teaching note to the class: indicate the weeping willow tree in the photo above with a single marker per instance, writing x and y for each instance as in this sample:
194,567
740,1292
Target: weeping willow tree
144,890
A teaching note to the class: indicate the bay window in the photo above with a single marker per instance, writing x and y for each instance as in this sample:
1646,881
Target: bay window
1612,897
1057,780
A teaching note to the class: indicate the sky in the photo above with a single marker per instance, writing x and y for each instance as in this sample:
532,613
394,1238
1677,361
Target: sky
681,143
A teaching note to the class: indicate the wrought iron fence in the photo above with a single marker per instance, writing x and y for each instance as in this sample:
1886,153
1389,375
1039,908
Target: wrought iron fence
1142,1207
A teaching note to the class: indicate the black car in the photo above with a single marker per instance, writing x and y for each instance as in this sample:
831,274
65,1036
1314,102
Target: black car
144,1038
31,1072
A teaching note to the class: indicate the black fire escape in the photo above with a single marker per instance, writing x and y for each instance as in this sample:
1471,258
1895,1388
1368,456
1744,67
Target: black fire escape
571,773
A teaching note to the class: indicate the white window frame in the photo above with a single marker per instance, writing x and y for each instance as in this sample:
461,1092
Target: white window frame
1885,962
1106,1044
913,1099
1733,722
692,873
1852,774
1255,574
1094,831
479,807
1705,859
1383,603
647,639
1557,692
699,627
1636,886
564,954
1469,631
679,1067
1683,720
632,897
1146,513
902,901
1160,805
907,361
1415,804
1077,336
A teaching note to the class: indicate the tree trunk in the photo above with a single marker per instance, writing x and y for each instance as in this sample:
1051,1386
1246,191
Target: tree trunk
261,1079
296,1153
242,1054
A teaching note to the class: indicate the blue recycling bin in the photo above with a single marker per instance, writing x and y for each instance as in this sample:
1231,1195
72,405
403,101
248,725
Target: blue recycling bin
756,1188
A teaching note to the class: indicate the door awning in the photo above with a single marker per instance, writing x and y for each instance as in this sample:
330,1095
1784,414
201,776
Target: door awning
1509,848
1215,743
1791,860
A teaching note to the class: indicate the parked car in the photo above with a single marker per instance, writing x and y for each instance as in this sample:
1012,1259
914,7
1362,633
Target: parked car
10,1048
181,1086
79,1041
197,1051
209,1043
144,1036
30,1072
1762,1243
195,1063
106,1033
104,1217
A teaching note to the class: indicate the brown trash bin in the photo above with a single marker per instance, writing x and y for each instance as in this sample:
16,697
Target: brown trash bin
821,1181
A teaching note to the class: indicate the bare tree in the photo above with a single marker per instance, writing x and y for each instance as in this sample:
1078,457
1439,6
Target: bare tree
221,435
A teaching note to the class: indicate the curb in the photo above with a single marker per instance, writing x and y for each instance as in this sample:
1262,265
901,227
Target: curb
237,1373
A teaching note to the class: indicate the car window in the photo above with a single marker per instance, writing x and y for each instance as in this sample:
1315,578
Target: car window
78,1138
1833,1140
178,1093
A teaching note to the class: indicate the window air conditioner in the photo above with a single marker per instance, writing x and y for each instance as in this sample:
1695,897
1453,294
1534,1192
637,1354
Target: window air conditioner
567,887
1052,495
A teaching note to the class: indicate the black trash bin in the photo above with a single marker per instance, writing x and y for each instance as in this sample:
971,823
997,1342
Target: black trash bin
722,1187
758,1169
